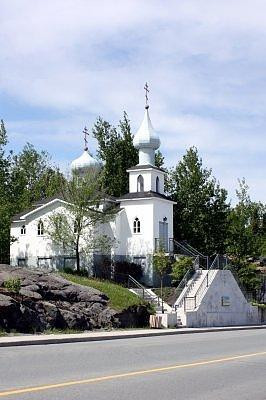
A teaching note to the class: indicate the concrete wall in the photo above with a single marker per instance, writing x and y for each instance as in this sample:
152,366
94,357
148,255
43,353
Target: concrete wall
212,312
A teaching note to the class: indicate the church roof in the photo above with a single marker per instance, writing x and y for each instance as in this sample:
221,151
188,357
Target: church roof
146,135
41,203
145,166
143,195
35,206
84,162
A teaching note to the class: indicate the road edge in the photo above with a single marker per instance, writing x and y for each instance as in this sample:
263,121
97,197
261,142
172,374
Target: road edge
64,338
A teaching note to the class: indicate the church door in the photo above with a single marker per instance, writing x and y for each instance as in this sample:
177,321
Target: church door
163,235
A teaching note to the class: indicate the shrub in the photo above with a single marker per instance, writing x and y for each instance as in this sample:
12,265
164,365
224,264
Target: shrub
180,267
125,268
68,270
13,285
81,272
249,277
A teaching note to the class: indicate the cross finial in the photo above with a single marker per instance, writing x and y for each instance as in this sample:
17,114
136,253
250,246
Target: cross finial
86,134
146,88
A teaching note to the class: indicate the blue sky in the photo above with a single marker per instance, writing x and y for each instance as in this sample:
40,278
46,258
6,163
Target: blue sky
64,62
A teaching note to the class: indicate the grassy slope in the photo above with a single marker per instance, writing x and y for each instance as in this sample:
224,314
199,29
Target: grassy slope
120,297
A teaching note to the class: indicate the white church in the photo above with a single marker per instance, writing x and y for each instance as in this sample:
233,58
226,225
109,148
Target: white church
211,297
144,217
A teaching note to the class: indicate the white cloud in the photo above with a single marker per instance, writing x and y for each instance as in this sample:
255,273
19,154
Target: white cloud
204,59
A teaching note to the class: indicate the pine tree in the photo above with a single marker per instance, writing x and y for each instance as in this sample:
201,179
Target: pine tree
200,215
117,153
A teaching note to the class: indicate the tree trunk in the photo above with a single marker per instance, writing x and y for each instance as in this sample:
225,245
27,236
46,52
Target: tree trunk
162,294
77,256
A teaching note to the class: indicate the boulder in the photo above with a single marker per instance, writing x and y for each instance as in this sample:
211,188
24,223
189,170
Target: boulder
48,301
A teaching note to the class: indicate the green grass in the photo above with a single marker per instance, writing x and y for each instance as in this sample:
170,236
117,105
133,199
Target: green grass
120,297
56,331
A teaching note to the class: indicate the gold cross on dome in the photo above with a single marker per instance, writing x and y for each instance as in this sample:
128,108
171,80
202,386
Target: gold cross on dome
146,88
86,134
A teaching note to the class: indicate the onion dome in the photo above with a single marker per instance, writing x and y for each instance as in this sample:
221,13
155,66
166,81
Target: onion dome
85,162
146,140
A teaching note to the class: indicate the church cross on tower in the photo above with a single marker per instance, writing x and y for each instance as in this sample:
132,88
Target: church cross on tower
86,134
146,88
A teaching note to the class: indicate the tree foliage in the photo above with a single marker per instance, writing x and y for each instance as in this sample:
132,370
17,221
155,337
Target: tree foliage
77,227
180,267
25,177
246,232
200,215
116,150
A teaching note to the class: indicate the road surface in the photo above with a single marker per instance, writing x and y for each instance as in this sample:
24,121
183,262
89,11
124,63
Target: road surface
205,366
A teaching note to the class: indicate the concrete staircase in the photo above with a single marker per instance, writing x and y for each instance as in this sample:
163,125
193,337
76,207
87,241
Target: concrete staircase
149,296
191,296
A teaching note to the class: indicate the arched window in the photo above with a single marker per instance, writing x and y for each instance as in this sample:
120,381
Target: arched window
40,229
23,230
157,184
140,184
136,225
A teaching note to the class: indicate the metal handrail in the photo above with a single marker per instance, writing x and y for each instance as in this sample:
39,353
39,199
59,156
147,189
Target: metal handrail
186,278
184,248
195,250
190,251
144,290
205,283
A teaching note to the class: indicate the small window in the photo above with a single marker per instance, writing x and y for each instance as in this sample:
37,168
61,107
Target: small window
136,225
75,227
40,228
157,184
140,184
23,230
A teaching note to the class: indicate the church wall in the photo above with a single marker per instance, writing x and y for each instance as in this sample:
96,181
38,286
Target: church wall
149,177
136,243
133,176
31,246
137,247
163,209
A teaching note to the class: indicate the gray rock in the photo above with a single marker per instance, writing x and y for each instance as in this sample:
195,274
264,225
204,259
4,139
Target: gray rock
29,293
48,301
6,301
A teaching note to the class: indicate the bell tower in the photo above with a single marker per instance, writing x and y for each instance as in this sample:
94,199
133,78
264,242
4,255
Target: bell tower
145,176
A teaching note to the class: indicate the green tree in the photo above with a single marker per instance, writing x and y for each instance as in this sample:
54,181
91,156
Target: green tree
77,227
161,264
5,190
180,267
246,231
201,212
249,277
117,152
33,177
24,179
159,159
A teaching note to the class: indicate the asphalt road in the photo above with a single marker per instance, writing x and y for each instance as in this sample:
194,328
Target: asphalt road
221,365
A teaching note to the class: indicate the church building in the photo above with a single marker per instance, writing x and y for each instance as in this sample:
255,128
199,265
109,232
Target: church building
144,218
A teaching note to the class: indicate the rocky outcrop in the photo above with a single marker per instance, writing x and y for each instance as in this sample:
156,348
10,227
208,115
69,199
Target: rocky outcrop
46,301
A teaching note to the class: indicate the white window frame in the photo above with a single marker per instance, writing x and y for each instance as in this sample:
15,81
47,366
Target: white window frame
136,226
23,230
40,228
